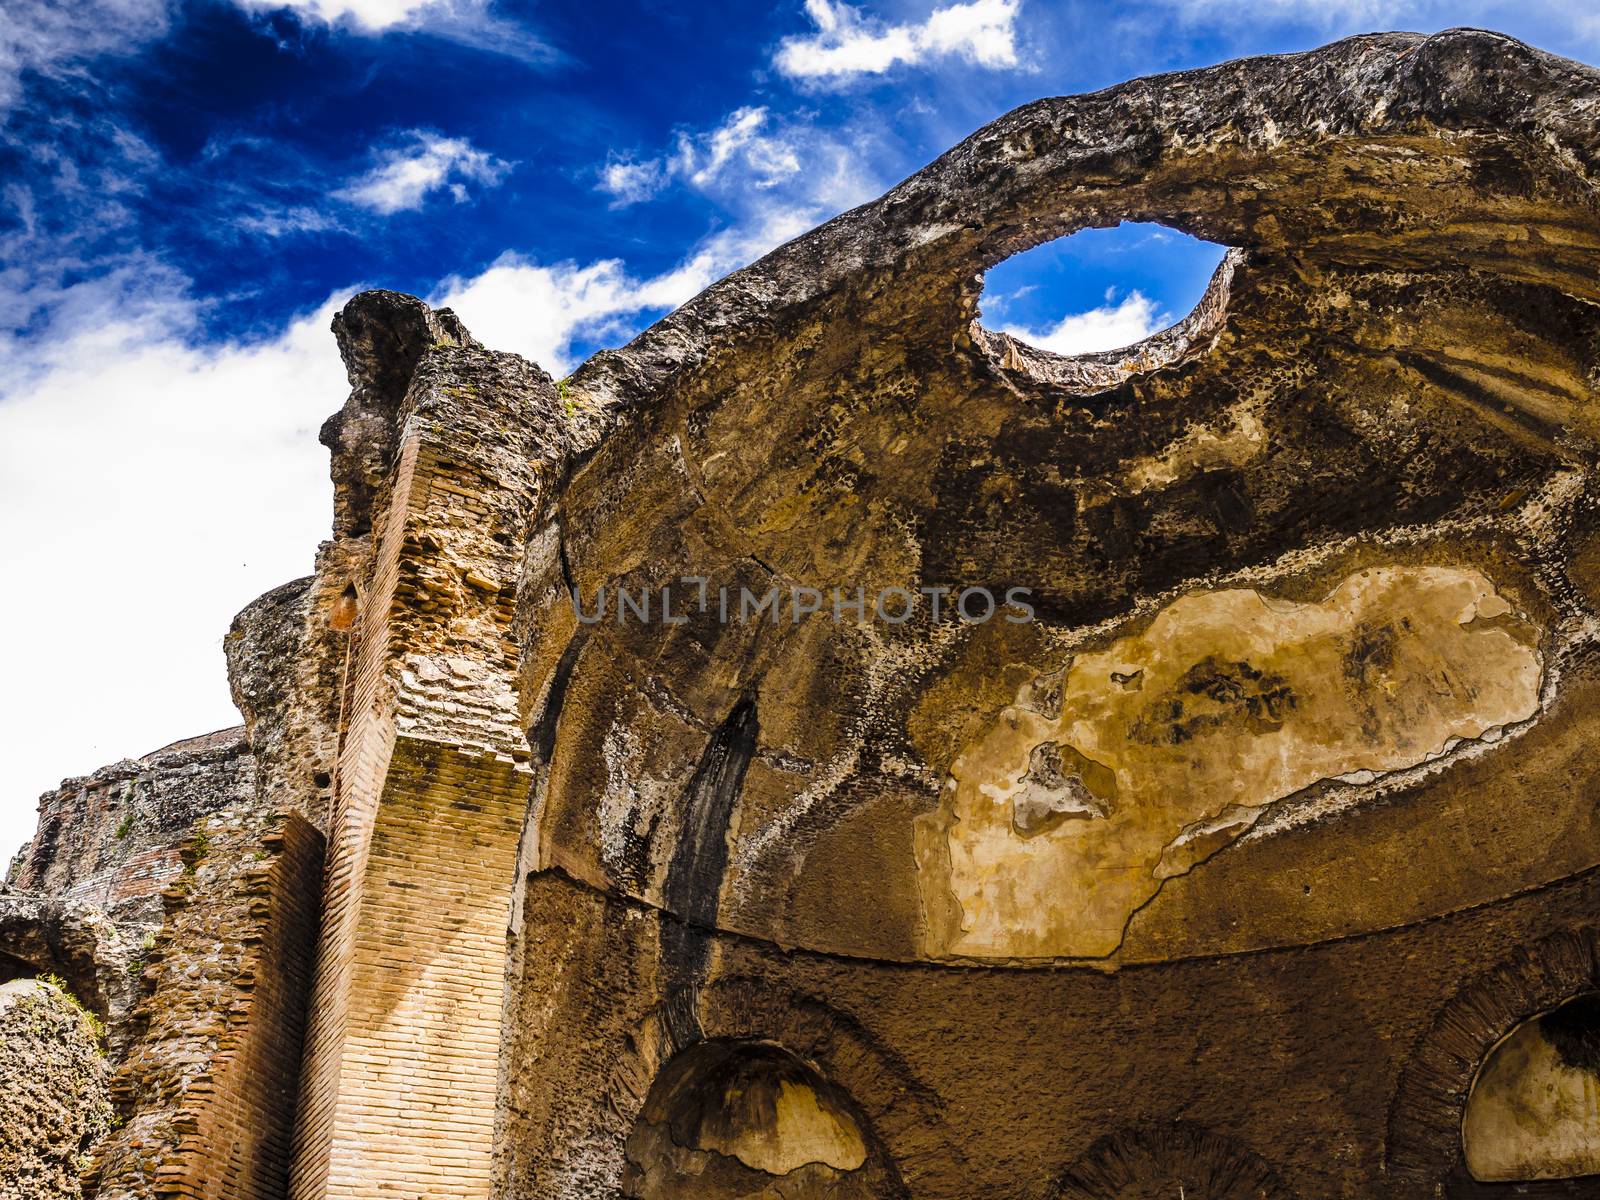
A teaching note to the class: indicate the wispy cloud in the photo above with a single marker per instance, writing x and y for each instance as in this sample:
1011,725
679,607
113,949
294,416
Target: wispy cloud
423,163
1325,14
1576,19
764,159
69,209
374,15
470,22
763,171
269,188
543,310
1111,326
288,221
848,44
57,39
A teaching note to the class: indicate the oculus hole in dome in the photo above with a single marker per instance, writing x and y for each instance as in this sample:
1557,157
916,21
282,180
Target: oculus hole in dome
1099,289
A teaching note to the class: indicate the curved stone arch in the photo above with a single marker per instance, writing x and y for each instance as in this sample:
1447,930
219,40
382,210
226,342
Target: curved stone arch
1531,1114
736,1117
1422,1150
901,1113
1144,1162
1147,151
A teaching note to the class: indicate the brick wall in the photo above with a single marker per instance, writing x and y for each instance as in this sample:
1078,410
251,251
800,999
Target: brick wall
367,741
417,1091
398,1090
206,1091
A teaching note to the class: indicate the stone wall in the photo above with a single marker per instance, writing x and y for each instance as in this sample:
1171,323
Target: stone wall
184,913
87,894
53,1094
1181,879
986,1082
112,838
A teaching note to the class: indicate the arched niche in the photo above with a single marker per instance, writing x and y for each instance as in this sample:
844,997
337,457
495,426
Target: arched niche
1162,1162
1534,1109
1424,1153
737,1119
12,968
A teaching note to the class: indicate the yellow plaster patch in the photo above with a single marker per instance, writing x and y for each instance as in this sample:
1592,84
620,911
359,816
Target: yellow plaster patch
803,1130
1170,743
1531,1115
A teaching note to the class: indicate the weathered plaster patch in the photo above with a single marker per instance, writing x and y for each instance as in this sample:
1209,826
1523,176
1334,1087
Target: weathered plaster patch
804,1129
631,803
1182,734
1060,784
1201,448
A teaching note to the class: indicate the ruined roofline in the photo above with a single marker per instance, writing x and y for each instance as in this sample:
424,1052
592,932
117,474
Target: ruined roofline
1289,763
227,742
1053,166
1041,171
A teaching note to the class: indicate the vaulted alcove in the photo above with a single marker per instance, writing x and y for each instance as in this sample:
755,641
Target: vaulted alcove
731,1119
1534,1109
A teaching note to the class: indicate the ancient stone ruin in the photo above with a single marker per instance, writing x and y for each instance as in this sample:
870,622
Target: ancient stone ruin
613,816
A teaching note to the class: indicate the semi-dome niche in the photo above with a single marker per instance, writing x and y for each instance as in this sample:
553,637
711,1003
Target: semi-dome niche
738,1119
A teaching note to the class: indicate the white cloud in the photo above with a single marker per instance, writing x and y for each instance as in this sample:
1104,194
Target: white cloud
151,488
469,22
539,310
760,168
848,44
769,159
367,14
739,146
629,182
424,163
148,490
1109,327
55,38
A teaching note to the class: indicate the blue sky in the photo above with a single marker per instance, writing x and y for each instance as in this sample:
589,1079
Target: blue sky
188,188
